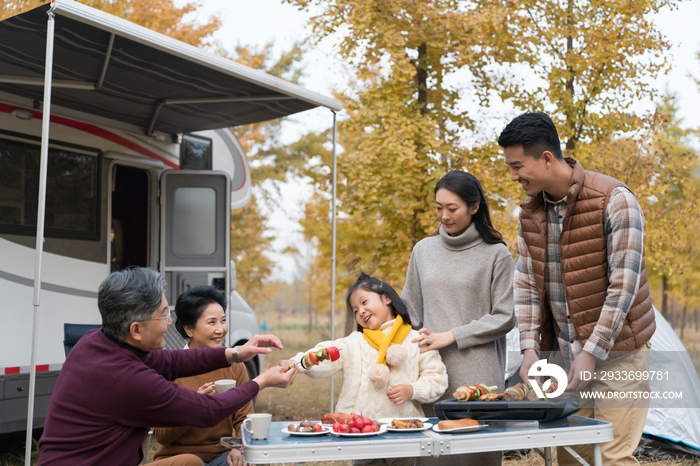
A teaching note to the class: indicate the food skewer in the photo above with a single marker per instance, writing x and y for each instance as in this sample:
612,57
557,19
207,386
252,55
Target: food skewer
517,392
314,358
472,392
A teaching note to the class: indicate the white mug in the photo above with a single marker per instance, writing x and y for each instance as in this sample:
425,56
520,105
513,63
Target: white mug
259,425
224,385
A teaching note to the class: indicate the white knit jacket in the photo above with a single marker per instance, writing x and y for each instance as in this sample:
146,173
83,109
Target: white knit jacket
425,372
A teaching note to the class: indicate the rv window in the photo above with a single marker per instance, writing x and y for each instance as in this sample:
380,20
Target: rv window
72,190
195,224
195,153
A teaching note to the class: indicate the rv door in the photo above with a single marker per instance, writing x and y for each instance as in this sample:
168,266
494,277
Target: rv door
195,236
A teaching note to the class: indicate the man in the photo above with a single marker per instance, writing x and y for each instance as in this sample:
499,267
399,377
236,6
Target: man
580,282
115,383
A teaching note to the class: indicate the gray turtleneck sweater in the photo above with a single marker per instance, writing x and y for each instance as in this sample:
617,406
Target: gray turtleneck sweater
463,284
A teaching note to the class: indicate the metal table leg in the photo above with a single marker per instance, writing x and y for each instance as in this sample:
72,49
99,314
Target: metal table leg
547,456
597,455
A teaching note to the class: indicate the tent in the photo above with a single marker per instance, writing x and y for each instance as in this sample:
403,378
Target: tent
673,427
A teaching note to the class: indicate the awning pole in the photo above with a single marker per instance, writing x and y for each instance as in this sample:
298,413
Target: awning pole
335,181
39,249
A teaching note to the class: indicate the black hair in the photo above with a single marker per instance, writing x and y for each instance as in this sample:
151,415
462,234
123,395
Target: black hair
467,187
367,283
128,296
535,131
191,304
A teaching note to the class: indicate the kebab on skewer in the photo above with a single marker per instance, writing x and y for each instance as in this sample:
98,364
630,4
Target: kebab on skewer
314,358
472,392
517,392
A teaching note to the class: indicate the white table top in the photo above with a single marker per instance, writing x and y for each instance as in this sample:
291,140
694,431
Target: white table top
497,436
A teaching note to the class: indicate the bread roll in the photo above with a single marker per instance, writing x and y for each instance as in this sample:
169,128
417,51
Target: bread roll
446,425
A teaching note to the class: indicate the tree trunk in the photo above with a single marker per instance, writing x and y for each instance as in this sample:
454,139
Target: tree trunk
696,319
664,296
673,314
569,107
685,309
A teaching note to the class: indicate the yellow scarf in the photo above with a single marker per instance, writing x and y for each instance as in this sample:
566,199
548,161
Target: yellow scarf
380,341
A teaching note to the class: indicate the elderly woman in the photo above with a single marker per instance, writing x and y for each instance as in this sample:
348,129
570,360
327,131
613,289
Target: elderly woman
201,319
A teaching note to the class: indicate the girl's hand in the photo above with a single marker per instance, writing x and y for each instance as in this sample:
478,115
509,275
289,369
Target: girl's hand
432,341
207,389
235,458
399,394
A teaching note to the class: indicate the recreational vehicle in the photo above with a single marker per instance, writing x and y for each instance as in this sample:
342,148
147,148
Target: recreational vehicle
142,171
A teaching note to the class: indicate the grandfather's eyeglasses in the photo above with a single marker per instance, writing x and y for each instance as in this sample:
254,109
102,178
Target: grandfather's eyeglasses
167,317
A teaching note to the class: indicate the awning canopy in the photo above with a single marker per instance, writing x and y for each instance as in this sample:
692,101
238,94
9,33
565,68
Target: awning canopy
112,68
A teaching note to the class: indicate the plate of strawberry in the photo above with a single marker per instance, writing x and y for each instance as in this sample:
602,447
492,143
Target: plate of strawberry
357,426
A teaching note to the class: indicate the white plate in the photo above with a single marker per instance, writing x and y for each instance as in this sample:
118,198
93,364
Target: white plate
387,420
459,430
426,426
382,430
306,434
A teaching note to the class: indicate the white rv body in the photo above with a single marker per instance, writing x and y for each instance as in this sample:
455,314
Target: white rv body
73,268
127,105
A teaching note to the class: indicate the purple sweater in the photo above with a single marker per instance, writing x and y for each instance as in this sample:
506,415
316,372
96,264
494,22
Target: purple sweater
107,397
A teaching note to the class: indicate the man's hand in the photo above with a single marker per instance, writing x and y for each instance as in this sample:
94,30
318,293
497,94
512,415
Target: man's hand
399,394
276,376
259,344
235,458
431,341
584,362
530,357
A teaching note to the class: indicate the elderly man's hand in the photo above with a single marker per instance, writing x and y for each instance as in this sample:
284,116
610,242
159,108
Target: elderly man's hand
276,376
259,344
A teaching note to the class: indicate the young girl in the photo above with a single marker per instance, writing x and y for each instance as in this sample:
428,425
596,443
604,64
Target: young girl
384,374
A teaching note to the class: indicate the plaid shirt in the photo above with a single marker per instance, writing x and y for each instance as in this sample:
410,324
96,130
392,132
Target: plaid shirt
624,228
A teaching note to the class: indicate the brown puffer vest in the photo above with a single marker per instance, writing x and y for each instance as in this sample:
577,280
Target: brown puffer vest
584,262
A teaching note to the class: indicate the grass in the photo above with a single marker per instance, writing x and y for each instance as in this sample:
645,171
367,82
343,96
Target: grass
309,399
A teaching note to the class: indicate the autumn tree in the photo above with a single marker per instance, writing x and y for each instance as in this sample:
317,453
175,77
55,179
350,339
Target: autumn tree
589,65
405,123
158,15
248,246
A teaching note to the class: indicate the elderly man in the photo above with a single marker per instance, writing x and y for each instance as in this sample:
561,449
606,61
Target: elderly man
114,385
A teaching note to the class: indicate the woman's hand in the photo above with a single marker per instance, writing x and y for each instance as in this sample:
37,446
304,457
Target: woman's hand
207,389
432,341
399,394
235,458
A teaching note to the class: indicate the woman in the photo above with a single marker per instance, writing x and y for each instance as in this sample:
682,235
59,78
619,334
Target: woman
459,289
201,318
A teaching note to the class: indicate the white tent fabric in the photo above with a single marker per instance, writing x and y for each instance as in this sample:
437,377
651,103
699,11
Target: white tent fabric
680,423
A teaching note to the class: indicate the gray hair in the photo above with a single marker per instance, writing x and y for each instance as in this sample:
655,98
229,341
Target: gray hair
128,296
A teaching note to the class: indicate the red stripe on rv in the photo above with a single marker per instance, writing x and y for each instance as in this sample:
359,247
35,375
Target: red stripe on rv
11,370
42,368
97,131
